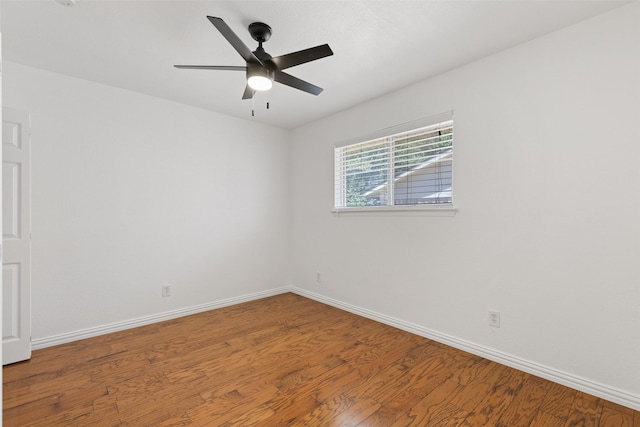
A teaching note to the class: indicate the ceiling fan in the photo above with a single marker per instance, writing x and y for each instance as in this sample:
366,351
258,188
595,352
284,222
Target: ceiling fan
262,69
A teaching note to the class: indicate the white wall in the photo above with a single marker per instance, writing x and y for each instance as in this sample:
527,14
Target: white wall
130,192
547,176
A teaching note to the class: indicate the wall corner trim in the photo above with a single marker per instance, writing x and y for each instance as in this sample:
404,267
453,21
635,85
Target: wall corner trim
578,383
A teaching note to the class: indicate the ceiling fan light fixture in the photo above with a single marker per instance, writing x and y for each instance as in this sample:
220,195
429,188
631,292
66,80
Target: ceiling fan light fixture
260,78
259,83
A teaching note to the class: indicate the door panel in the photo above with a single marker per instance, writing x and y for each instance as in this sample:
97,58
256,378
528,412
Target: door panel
10,295
16,236
11,200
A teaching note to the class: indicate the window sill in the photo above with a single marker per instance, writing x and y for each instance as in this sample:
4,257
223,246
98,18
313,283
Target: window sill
414,210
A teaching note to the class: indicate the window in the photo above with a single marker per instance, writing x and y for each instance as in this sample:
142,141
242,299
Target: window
407,168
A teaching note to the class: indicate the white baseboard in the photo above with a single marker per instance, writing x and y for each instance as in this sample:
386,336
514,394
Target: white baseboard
578,383
551,374
50,341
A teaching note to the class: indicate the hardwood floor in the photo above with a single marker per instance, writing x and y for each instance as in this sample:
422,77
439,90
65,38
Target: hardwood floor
284,360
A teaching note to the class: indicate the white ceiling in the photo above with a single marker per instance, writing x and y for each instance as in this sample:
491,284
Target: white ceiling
379,46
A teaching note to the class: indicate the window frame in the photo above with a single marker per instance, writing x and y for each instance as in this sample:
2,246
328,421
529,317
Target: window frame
431,209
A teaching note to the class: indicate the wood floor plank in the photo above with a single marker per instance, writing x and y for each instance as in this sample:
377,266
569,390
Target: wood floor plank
495,402
475,391
616,415
424,412
559,401
283,361
526,403
330,411
580,419
289,407
392,409
545,419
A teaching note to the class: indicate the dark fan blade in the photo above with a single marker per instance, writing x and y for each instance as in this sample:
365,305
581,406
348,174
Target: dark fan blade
212,67
294,82
248,93
234,40
302,56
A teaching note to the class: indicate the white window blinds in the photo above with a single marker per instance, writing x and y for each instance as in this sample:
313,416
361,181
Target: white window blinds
406,168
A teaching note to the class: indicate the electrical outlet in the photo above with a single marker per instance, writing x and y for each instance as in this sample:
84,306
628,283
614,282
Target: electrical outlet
494,318
166,290
318,278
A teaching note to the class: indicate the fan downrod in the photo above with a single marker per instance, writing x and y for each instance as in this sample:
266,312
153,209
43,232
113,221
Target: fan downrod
260,31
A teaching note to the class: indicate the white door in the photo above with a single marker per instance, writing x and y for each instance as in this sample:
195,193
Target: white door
16,236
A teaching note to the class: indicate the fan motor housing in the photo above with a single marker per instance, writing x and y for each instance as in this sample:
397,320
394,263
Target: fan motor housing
260,70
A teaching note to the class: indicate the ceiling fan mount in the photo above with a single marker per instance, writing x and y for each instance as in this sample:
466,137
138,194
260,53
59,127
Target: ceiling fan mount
261,68
260,31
